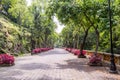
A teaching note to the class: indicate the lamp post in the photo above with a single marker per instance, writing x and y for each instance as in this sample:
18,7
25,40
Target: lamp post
112,61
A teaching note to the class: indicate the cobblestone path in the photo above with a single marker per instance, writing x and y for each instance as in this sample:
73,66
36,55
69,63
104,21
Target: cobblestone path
56,64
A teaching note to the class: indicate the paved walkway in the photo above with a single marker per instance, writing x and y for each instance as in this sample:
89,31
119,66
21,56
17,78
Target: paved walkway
56,64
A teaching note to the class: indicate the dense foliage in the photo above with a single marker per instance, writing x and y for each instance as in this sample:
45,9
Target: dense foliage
87,23
24,27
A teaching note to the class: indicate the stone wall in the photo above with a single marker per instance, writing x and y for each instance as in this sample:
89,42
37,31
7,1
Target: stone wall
105,56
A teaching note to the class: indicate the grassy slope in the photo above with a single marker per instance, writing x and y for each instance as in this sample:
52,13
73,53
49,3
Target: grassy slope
12,29
8,30
6,23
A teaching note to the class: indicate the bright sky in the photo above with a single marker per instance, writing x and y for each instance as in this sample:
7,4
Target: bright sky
59,26
29,2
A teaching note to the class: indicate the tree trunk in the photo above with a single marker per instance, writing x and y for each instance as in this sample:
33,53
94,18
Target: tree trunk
83,43
97,40
96,31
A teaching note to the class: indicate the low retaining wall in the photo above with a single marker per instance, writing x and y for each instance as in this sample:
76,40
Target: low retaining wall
105,56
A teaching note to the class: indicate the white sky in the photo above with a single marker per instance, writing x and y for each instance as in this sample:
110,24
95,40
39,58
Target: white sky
59,26
29,2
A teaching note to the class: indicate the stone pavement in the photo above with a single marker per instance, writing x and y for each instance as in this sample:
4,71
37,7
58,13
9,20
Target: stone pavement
56,64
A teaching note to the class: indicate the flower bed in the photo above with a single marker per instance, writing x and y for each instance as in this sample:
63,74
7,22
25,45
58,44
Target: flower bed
95,60
6,59
39,50
105,56
75,51
69,49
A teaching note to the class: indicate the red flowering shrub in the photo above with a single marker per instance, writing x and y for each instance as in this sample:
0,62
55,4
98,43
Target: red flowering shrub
1,60
69,49
38,50
77,52
6,59
73,51
45,49
95,59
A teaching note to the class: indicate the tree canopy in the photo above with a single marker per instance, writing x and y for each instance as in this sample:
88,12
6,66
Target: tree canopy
25,27
86,24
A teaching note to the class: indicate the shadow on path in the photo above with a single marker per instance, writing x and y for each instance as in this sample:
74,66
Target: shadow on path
77,64
34,66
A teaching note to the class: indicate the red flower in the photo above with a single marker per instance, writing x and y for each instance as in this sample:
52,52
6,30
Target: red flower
6,59
38,50
95,59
